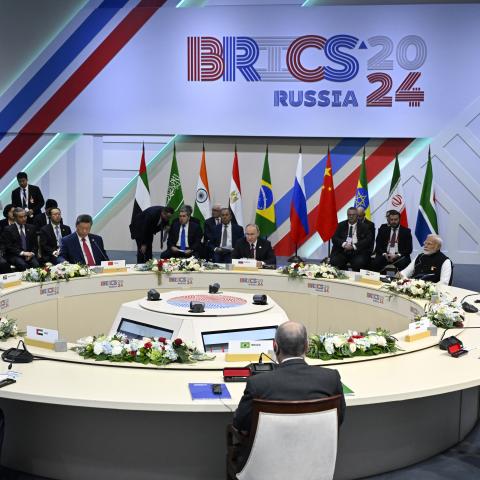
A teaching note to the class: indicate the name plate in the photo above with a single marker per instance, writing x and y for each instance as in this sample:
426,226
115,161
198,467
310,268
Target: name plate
418,330
114,266
248,350
244,264
46,335
367,276
10,280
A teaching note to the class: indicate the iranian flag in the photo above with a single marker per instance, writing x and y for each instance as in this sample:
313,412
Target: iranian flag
202,196
396,197
235,198
142,193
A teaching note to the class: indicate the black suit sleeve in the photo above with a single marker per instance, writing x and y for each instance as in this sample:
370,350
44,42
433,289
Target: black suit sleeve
364,238
268,254
407,246
339,236
339,390
45,241
243,415
12,246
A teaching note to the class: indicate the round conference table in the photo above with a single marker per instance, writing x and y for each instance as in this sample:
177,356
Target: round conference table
70,418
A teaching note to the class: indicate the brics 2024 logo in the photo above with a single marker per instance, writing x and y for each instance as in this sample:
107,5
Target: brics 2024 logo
282,59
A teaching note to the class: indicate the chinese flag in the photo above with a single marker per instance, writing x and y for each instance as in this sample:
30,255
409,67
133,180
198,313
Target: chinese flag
327,208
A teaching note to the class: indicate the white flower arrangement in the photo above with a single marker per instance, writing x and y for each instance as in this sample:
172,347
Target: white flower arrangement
50,272
446,314
155,351
8,328
312,270
413,288
330,346
172,265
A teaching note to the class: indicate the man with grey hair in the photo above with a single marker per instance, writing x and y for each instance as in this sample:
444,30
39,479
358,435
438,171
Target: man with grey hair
292,380
184,238
431,264
252,246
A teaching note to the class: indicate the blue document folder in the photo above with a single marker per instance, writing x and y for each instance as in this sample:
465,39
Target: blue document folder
203,391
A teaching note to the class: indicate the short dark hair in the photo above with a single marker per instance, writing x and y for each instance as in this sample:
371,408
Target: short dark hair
291,338
185,210
168,210
189,209
50,203
6,209
352,208
393,212
22,175
84,218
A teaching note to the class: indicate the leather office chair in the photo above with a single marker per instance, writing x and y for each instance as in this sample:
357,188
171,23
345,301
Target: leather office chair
287,440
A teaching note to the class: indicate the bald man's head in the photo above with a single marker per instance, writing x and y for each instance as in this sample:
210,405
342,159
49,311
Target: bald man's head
291,340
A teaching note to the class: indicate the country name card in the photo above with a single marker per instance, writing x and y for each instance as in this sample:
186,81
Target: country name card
114,266
10,280
247,350
240,264
45,338
372,278
418,330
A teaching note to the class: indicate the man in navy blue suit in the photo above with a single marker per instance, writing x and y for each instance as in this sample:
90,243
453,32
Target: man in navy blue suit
82,246
225,237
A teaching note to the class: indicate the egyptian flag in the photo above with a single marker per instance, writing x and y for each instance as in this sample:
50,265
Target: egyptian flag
235,198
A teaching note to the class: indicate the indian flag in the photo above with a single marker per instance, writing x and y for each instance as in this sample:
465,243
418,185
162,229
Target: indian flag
202,196
142,193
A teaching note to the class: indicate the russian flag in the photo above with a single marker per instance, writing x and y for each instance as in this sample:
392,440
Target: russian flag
298,207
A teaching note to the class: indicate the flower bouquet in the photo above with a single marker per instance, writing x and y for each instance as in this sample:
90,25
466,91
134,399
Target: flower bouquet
155,351
62,271
412,288
312,270
337,346
447,314
8,328
172,265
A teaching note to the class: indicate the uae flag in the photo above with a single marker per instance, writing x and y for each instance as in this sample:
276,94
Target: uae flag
142,194
235,198
396,197
202,196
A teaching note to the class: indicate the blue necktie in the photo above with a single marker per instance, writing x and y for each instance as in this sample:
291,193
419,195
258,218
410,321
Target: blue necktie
183,243
23,239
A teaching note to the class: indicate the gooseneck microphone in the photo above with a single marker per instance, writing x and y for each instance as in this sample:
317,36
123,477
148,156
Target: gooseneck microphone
94,243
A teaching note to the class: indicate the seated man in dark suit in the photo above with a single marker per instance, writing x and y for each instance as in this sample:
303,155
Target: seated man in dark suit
209,229
21,242
50,237
393,245
44,218
4,265
184,237
225,237
144,227
29,197
82,246
431,265
292,380
362,218
9,218
252,246
352,243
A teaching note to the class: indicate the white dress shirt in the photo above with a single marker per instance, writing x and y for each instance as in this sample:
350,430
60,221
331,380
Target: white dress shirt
186,236
353,237
445,272
229,236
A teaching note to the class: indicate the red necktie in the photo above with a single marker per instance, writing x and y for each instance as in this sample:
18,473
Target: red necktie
393,239
88,253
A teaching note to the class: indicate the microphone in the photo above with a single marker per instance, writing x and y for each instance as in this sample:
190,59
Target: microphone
94,243
468,307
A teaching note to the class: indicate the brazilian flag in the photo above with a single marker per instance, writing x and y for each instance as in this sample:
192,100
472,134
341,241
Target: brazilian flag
361,195
265,215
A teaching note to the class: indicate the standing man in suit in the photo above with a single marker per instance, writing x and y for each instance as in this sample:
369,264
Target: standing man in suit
393,245
225,237
351,243
29,197
44,218
82,246
363,219
252,246
21,242
292,380
209,229
50,237
184,238
144,227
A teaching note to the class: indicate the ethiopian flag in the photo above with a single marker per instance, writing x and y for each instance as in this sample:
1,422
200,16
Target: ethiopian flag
361,195
174,192
265,216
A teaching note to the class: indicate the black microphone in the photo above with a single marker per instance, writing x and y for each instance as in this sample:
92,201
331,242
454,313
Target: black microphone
260,358
94,243
468,307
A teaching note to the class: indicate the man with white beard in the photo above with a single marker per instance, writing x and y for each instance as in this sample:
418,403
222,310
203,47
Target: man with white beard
432,264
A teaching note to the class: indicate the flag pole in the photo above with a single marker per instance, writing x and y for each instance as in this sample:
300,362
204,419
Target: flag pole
295,258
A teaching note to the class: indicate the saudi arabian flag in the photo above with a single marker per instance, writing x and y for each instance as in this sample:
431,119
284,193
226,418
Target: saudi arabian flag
202,196
174,192
427,214
361,195
265,216
142,194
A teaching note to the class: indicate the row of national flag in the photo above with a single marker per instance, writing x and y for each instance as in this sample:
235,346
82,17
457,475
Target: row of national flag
327,219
